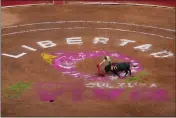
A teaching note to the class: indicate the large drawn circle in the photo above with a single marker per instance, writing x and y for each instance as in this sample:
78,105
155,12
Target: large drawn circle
66,63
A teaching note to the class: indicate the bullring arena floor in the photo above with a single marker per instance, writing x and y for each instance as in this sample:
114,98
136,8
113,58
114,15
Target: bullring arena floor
45,72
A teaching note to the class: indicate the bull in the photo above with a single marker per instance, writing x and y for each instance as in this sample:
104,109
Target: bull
115,68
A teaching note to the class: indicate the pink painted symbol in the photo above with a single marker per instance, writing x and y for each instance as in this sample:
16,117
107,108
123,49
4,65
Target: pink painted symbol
46,95
107,95
66,63
101,94
150,94
160,95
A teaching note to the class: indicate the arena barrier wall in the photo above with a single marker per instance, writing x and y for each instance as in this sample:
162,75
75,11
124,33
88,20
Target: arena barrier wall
10,3
162,3
157,3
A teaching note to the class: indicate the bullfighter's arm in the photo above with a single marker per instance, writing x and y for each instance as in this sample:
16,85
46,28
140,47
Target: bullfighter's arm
102,62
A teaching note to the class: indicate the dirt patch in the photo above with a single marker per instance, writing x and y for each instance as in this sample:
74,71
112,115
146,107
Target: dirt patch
9,18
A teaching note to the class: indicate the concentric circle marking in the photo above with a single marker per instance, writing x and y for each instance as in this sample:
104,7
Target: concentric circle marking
94,22
66,63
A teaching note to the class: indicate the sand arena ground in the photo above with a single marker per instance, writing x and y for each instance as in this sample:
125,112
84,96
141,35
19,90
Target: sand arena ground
28,25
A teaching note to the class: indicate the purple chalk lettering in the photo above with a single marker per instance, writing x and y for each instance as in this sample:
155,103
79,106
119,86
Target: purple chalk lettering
46,95
114,93
142,94
134,95
100,93
160,95
149,94
110,95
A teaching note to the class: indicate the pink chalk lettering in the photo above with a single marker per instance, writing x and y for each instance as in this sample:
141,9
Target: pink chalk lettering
100,93
46,95
110,95
149,94
160,95
142,94
114,93
134,95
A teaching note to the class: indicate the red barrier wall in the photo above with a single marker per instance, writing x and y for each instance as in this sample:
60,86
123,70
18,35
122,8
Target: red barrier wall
22,2
171,3
155,2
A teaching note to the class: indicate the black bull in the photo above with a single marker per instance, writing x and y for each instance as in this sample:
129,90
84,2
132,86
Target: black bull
117,67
